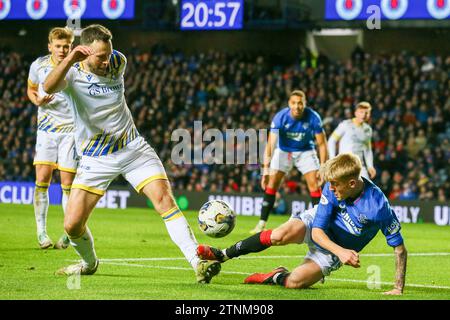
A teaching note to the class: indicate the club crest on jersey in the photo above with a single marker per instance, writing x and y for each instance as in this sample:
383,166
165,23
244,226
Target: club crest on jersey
323,200
438,9
305,126
394,9
37,9
5,8
363,219
349,9
89,77
286,126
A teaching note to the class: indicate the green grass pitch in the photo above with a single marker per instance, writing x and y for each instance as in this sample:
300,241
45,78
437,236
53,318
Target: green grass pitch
139,261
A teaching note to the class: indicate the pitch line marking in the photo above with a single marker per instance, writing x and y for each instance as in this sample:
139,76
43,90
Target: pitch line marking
246,274
425,254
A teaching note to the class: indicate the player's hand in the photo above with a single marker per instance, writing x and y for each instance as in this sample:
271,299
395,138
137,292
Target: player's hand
80,53
393,292
42,100
349,257
372,172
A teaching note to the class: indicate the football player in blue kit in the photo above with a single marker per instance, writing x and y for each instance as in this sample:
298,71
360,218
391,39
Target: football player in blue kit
291,142
350,213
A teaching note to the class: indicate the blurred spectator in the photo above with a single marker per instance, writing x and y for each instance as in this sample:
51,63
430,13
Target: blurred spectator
170,90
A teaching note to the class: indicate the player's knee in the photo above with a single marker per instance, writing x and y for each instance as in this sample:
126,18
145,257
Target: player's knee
164,202
291,284
278,237
73,228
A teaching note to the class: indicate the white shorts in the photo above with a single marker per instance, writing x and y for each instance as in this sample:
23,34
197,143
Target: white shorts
327,261
137,162
304,161
57,150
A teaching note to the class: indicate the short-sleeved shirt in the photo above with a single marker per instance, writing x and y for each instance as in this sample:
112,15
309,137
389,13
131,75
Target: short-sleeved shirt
352,225
55,116
353,138
104,123
296,135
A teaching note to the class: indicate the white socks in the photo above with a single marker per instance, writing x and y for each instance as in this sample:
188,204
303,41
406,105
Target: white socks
84,246
41,203
65,196
180,232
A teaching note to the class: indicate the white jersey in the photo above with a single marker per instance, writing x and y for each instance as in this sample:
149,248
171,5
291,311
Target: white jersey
353,138
102,119
55,116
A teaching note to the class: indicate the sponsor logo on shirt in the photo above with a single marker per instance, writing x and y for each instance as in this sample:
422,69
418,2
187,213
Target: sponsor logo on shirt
95,89
297,136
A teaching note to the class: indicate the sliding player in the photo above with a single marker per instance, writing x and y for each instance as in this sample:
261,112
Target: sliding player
350,213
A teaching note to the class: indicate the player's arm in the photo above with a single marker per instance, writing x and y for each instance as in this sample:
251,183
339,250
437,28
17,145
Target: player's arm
55,81
321,140
368,157
321,223
35,98
334,139
268,152
390,227
401,256
346,256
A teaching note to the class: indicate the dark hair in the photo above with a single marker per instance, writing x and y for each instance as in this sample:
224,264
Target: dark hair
95,32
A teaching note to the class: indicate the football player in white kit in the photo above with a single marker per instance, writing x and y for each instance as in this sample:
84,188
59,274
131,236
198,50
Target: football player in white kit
355,135
55,140
92,79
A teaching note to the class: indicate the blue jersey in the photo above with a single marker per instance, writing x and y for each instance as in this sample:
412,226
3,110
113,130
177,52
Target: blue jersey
352,225
296,135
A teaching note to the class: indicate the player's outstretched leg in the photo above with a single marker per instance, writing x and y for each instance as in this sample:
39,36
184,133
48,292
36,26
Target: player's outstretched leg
180,232
292,231
80,205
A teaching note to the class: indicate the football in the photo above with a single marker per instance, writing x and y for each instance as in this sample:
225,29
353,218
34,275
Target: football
216,219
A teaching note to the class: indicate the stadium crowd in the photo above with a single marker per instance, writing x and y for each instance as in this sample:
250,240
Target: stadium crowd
169,90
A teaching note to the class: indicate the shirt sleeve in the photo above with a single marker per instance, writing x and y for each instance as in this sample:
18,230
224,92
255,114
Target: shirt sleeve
276,125
389,225
33,76
317,124
324,209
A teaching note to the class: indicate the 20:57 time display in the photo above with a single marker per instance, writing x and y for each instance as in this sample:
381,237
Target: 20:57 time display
211,14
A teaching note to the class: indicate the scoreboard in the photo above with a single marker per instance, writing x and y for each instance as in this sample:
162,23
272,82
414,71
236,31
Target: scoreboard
212,14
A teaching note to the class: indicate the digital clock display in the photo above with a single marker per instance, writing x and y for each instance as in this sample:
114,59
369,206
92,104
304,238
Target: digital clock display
212,14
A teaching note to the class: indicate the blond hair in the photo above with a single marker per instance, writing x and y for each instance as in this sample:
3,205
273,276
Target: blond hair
364,105
298,93
344,167
60,34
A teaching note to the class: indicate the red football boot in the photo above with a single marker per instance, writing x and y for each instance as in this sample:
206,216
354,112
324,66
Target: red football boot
264,278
